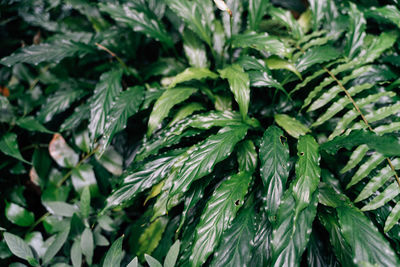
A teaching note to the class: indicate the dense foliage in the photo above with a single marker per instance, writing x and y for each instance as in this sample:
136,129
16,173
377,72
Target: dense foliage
215,133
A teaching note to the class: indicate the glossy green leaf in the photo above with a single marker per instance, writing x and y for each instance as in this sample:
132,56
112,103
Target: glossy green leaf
19,215
387,145
386,13
235,249
59,102
9,146
262,241
367,242
388,194
236,8
274,171
240,86
31,124
80,113
316,55
380,44
193,14
125,105
186,111
217,215
317,8
355,158
247,156
114,254
87,245
141,18
308,172
366,168
192,74
161,108
195,50
393,218
137,180
257,10
263,79
56,245
52,53
20,248
276,63
356,33
203,158
260,41
172,255
102,101
292,232
291,125
286,18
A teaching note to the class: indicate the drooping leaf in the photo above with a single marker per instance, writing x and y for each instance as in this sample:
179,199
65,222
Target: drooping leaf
192,74
217,215
58,102
20,248
257,10
53,53
240,86
142,178
387,145
124,106
102,101
19,215
356,33
9,146
274,172
291,125
201,160
168,99
316,55
260,41
235,249
141,18
114,254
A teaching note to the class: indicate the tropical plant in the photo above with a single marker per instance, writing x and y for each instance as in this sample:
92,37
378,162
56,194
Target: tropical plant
202,133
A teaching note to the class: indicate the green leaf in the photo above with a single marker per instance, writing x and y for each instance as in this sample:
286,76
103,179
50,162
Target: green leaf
387,145
82,177
9,146
192,74
239,83
203,158
355,158
388,194
263,79
114,254
308,172
151,236
186,111
317,8
125,105
366,168
134,263
260,41
292,232
316,55
291,125
52,53
235,8
393,218
257,10
56,245
172,255
19,215
19,248
217,215
274,171
58,102
80,114
87,245
276,63
141,18
235,248
60,208
137,180
76,253
195,50
286,18
247,156
168,99
31,124
194,15
85,202
385,13
261,241
152,262
356,33
102,101
367,243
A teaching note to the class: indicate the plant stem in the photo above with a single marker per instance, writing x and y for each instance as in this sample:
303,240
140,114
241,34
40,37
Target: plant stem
41,219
